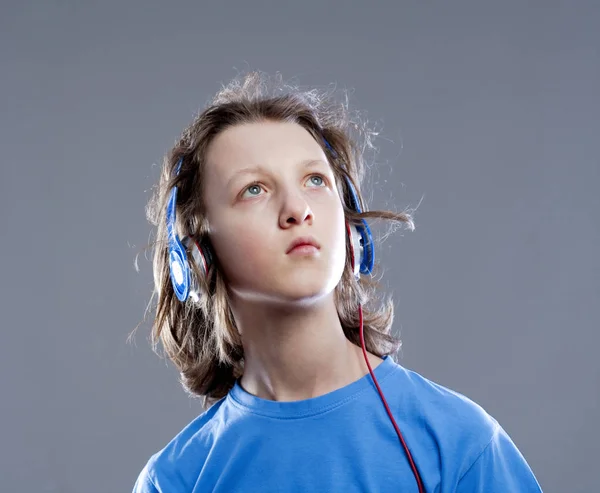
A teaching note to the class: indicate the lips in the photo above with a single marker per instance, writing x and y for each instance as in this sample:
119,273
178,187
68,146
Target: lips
303,240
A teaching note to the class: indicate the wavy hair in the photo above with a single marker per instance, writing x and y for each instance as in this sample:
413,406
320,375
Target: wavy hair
200,337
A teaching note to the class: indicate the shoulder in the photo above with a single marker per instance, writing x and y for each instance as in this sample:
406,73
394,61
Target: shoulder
463,418
448,421
472,447
175,467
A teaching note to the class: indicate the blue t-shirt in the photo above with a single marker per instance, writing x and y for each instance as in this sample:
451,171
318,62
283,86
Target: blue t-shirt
342,441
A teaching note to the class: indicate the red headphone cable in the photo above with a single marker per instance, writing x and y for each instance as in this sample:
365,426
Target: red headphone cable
408,454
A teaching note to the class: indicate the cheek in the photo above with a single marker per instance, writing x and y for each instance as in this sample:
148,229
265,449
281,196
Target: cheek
333,233
337,227
240,247
342,235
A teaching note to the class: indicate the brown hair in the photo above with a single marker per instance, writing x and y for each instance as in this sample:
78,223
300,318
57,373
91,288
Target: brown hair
200,337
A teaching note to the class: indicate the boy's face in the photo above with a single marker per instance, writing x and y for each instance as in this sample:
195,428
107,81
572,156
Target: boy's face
266,184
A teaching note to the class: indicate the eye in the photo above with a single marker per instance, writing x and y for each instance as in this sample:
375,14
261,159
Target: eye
253,189
317,180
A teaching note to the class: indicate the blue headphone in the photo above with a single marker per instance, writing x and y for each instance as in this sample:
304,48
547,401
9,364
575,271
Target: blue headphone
183,279
360,234
184,282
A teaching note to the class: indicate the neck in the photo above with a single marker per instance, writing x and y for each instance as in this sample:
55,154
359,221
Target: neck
293,353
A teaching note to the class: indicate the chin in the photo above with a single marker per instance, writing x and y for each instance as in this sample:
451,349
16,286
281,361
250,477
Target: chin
288,290
306,287
304,284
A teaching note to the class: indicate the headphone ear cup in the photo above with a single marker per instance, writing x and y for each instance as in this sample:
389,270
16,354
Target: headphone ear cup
367,258
364,253
179,269
201,254
355,248
361,243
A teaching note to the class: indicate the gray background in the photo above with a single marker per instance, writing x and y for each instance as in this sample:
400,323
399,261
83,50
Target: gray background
489,119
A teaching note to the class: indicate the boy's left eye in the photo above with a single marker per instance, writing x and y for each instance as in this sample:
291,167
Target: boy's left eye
317,180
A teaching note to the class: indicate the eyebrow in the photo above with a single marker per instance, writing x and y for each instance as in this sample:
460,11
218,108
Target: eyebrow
307,163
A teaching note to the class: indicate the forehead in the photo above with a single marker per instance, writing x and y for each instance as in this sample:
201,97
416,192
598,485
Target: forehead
274,145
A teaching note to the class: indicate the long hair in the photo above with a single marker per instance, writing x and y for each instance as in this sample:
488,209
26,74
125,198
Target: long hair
200,337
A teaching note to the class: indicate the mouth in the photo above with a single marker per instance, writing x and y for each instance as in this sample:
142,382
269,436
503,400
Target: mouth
303,244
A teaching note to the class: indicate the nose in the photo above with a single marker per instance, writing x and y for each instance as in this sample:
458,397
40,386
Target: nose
295,211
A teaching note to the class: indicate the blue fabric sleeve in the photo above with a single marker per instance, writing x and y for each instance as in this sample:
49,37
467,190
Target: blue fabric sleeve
144,484
499,468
